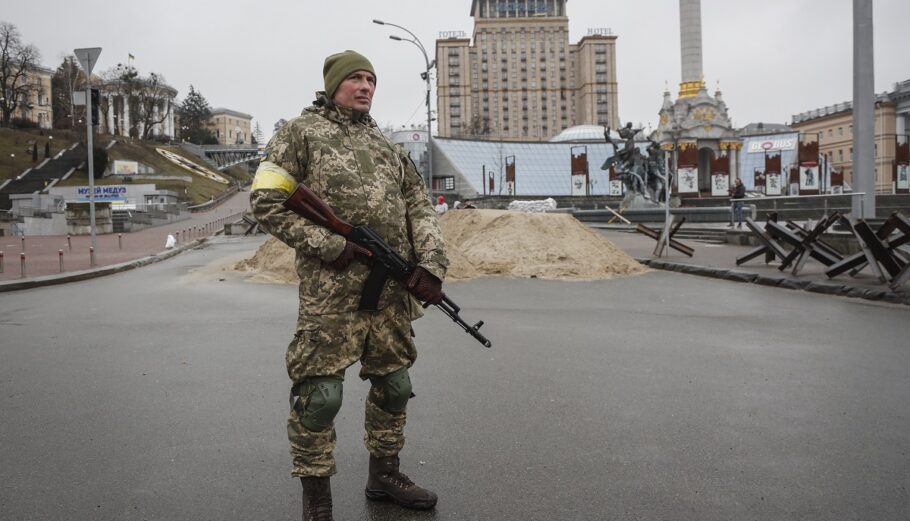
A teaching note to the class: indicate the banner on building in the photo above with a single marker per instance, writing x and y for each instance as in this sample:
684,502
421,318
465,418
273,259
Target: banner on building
579,167
902,164
720,185
808,172
772,168
808,178
720,176
837,182
615,183
510,174
759,177
688,180
903,181
616,188
772,184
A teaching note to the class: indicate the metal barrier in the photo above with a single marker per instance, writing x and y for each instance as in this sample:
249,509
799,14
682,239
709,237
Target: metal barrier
784,198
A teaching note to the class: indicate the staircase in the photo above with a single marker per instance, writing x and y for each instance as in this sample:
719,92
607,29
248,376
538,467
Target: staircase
43,176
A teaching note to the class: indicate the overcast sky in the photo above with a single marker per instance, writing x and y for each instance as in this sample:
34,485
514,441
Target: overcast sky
773,58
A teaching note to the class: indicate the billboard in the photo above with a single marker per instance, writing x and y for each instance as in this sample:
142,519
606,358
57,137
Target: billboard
123,167
771,145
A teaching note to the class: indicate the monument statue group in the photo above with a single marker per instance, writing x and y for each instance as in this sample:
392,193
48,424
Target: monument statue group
642,174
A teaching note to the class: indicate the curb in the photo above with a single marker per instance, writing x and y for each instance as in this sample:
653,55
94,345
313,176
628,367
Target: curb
842,290
49,280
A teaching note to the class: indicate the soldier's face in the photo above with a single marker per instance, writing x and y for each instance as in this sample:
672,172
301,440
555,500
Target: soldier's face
356,91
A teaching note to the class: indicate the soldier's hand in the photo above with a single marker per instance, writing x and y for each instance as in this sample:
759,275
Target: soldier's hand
347,255
425,286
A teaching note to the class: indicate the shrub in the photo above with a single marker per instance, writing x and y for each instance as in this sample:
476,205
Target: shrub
22,123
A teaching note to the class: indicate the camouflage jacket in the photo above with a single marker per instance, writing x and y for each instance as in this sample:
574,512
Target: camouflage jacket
366,179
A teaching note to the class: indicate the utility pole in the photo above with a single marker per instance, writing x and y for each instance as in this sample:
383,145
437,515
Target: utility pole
88,58
863,111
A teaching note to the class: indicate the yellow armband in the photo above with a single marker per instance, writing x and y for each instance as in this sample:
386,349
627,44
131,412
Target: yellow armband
270,176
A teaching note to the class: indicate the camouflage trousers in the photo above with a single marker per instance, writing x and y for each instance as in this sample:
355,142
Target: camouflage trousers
326,345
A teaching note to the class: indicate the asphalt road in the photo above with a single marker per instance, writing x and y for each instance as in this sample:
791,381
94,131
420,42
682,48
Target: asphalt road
160,393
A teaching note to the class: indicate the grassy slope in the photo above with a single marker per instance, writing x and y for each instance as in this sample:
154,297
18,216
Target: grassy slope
199,190
19,142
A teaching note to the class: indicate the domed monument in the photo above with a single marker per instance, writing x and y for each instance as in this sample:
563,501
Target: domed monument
696,127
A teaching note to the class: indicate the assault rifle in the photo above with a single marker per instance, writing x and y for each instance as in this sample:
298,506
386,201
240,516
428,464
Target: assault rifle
386,261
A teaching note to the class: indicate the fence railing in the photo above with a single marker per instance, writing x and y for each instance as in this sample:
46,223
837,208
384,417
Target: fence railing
783,199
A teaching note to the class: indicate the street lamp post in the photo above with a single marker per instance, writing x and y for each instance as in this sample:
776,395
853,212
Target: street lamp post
674,131
426,77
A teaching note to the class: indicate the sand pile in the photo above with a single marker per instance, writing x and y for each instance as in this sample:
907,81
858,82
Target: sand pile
484,243
273,262
516,244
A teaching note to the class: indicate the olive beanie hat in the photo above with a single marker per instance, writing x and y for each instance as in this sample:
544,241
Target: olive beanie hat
339,66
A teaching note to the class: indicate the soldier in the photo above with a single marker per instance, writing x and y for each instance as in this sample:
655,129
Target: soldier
338,151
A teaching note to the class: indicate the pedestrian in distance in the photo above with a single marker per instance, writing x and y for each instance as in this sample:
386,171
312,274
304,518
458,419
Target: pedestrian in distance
738,194
441,205
336,149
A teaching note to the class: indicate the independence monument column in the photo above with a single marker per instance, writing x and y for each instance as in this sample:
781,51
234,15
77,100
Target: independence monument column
693,78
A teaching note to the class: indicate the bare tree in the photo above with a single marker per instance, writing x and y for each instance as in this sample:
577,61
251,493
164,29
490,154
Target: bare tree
123,81
153,90
143,96
257,134
65,81
18,63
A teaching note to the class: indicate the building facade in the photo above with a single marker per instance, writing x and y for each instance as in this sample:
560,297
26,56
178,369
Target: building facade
834,127
760,140
231,127
37,106
128,113
519,79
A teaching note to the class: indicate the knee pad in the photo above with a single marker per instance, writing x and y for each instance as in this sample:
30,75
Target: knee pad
394,391
318,401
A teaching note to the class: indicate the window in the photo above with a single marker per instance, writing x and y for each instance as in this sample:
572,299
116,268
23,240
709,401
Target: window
840,156
444,183
840,131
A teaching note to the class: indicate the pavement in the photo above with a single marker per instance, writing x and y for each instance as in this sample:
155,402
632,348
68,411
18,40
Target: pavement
42,253
161,394
710,260
719,261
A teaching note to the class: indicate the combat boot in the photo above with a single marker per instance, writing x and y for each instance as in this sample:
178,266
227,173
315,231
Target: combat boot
317,498
386,483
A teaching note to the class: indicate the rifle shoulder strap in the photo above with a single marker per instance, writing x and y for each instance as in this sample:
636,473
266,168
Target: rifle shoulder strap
372,288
